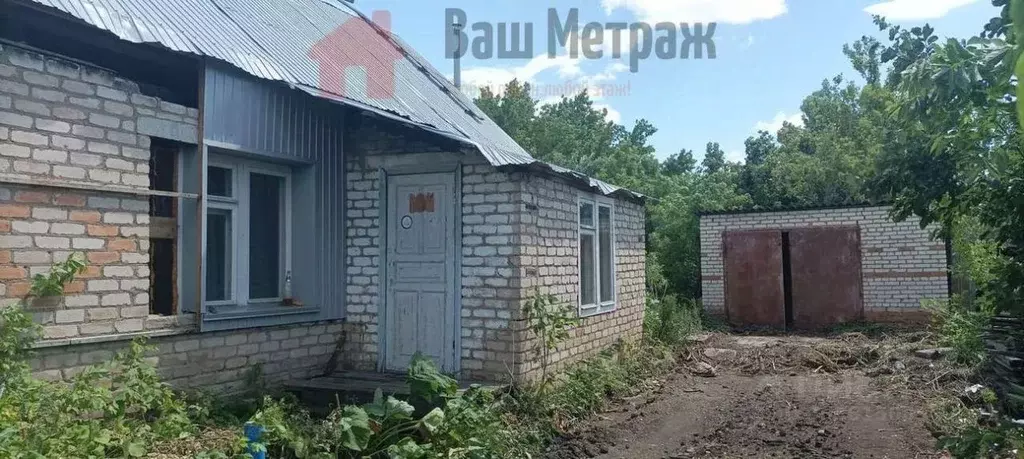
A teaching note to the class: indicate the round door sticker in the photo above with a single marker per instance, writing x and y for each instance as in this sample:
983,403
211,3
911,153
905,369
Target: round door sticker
406,222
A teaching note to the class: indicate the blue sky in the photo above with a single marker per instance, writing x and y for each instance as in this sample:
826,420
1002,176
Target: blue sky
770,55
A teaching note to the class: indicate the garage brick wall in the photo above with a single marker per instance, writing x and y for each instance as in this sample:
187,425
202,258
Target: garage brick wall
901,264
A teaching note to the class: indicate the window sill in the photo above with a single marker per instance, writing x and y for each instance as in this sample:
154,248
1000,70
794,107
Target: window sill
597,310
182,330
256,311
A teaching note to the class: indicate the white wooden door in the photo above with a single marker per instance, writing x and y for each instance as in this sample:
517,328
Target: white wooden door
420,297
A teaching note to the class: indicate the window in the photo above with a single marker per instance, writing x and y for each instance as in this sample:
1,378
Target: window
597,256
248,231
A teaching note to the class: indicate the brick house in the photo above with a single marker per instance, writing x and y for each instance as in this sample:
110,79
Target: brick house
237,212
818,267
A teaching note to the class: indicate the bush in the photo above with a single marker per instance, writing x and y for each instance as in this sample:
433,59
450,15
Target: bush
961,329
123,409
670,321
114,410
118,409
973,428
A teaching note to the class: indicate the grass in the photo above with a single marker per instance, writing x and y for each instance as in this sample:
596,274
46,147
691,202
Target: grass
537,414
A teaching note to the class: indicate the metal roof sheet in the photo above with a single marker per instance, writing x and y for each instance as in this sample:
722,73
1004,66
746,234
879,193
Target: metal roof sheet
794,208
305,43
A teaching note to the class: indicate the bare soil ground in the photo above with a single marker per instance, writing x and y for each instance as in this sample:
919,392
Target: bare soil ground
847,397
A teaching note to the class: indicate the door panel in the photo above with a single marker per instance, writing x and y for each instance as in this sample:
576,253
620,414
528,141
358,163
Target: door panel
826,276
754,293
419,305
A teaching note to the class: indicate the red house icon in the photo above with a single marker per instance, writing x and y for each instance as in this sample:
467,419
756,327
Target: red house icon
358,44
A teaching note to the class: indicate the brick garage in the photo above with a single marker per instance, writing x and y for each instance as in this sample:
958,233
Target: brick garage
900,264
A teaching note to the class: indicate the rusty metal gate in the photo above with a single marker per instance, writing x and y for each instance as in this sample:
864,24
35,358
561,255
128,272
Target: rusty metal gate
806,278
754,293
826,276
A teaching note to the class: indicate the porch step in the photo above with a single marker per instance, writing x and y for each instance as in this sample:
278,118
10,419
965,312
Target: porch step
321,394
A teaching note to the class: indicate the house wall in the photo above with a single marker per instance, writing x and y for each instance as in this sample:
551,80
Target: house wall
901,264
490,227
215,361
518,232
82,135
551,258
65,124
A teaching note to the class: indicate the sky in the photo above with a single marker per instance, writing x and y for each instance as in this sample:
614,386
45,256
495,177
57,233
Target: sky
770,54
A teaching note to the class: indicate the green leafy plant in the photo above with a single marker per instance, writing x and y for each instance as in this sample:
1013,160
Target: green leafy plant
118,409
17,333
962,329
61,273
427,384
550,320
670,321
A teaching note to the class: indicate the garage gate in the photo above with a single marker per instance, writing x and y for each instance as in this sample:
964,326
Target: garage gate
806,278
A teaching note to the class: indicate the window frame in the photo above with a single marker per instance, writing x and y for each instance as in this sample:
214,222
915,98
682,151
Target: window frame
594,229
240,206
233,205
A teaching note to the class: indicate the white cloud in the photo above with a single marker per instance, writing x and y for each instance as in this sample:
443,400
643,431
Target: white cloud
572,80
736,156
724,11
775,124
496,78
910,10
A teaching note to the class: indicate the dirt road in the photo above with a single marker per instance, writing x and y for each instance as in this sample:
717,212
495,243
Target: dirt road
783,397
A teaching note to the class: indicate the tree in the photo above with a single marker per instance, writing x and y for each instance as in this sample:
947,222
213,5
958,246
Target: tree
864,56
759,148
513,110
953,147
679,163
714,158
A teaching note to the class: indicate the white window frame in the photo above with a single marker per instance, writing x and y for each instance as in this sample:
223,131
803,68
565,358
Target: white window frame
239,204
599,307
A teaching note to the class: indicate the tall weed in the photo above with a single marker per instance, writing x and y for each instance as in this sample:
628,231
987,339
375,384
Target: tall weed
962,329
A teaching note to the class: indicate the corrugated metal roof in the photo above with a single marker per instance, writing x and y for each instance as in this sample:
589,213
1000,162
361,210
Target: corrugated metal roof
794,208
310,44
594,184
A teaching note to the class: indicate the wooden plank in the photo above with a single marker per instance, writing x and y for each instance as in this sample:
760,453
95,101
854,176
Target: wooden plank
163,228
754,292
11,179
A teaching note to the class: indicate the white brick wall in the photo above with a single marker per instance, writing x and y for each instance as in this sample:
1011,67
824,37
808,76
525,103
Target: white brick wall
901,264
65,122
518,232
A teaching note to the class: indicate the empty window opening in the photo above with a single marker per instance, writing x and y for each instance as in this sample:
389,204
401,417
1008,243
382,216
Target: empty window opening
163,217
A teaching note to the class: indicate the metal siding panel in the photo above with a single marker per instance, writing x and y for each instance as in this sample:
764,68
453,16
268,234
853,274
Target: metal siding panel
754,293
826,276
265,119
